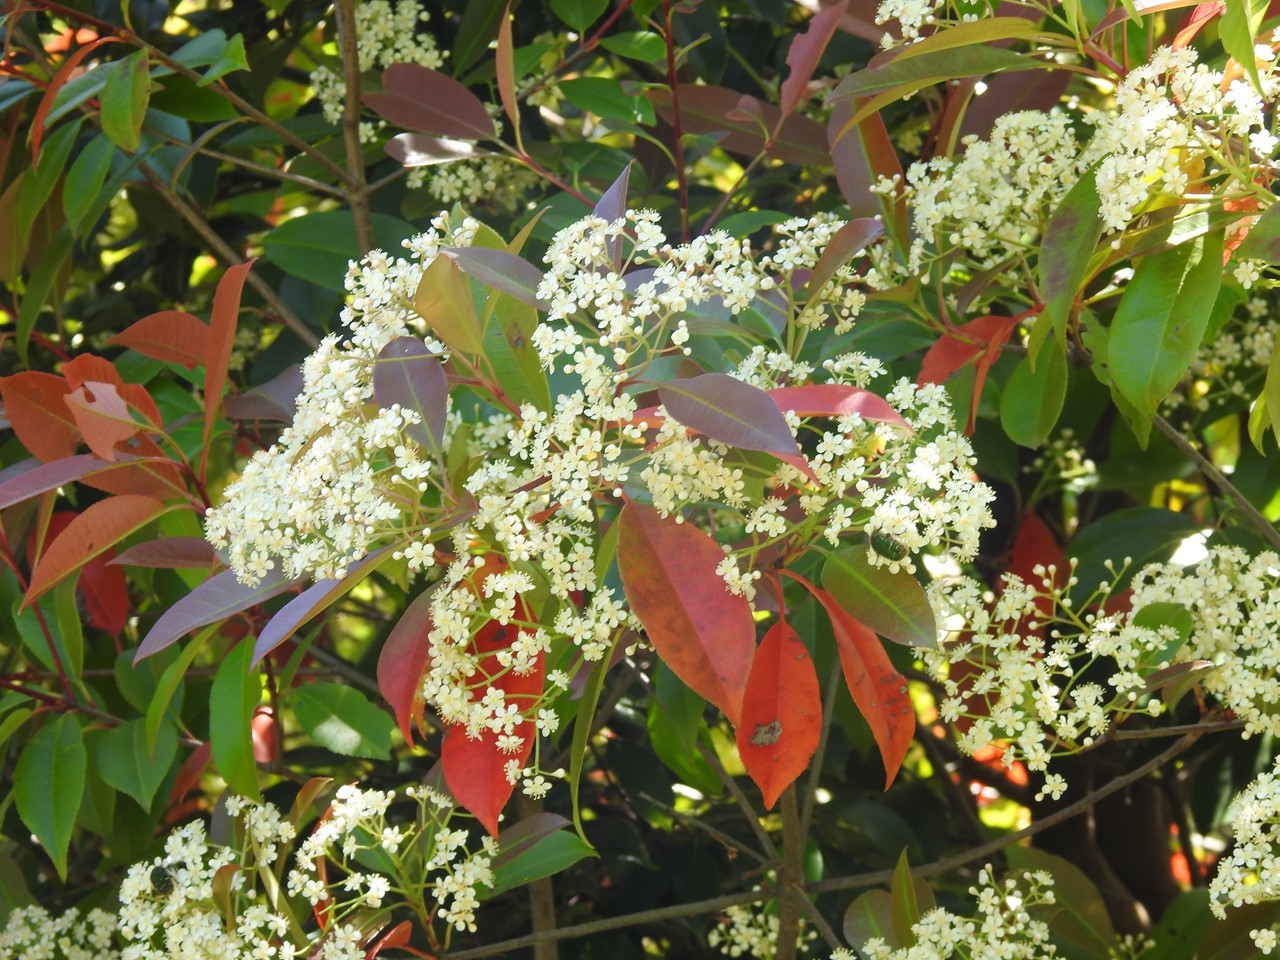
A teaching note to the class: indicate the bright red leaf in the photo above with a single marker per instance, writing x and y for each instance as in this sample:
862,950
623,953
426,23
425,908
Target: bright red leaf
171,336
982,339
395,938
835,400
404,661
704,633
38,414
781,713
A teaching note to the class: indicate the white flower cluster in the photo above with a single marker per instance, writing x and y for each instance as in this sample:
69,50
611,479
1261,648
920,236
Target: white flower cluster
1015,676
490,181
385,34
33,933
1062,464
912,16
1250,872
751,930
1004,929
315,501
1173,130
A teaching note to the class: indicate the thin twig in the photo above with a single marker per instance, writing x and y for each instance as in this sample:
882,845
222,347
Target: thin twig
231,258
749,814
731,843
1219,480
815,763
357,186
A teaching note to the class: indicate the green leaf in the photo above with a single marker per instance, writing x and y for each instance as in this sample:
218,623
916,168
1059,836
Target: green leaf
12,723
548,856
49,786
341,719
124,101
871,915
170,684
1161,319
232,699
85,179
675,724
1271,396
40,286
444,300
123,759
230,59
1143,534
932,67
1070,238
1079,918
1237,30
317,246
636,45
1262,242
509,348
37,186
906,908
1156,615
1032,399
605,98
578,14
894,605
985,30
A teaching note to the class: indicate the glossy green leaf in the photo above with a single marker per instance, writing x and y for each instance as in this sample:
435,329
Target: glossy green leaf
38,184
607,100
578,14
124,101
869,916
232,699
317,247
1262,242
1032,399
123,759
443,299
48,785
1153,616
1161,319
1237,29
894,605
1142,534
548,856
636,45
341,719
508,346
85,180
40,286
1081,920
230,58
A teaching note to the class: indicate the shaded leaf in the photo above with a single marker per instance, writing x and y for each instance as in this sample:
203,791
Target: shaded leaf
729,411
847,242
48,785
408,374
1070,238
341,719
612,206
578,14
122,757
871,915
274,400
1262,242
505,71
1032,400
218,598
171,336
318,246
233,698
169,553
99,526
704,633
419,98
894,605
781,713
859,155
704,111
1081,919
806,50
58,81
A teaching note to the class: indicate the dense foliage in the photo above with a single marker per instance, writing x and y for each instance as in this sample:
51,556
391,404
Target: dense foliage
610,478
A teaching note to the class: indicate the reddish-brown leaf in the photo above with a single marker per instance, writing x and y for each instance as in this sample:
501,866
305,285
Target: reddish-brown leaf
397,936
153,475
419,98
222,334
38,414
62,75
474,768
1036,545
170,553
982,339
102,416
860,155
171,336
1196,21
835,400
404,661
704,633
781,713
101,525
806,50
79,370
504,67
879,691
102,587
704,110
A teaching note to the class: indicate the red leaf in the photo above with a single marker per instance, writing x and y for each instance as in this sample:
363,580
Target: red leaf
150,474
222,334
704,109
1196,21
101,525
171,336
781,713
51,93
878,689
80,370
397,936
982,338
404,661
704,633
474,768
39,415
860,156
504,68
419,98
729,411
835,400
806,50
102,416
1035,544
106,593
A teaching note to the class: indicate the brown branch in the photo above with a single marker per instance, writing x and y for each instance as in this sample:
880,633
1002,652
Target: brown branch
791,877
357,186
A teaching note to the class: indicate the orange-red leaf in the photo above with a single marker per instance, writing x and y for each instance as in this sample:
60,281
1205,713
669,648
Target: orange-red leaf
79,370
983,339
101,525
879,690
34,404
221,337
704,633
51,93
835,400
171,336
404,660
153,475
397,936
781,713
102,416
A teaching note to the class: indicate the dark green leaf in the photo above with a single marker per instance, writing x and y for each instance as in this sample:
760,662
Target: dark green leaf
1032,399
121,757
869,916
578,14
341,719
548,856
37,186
637,45
605,98
1070,238
1080,917
1142,534
894,605
85,179
40,286
48,785
318,246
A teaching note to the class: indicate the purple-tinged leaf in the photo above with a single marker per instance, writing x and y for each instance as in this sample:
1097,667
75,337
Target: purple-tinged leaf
443,299
612,206
424,150
218,598
843,246
314,600
806,50
501,270
730,411
704,111
409,374
43,477
274,400
169,553
419,98
1069,240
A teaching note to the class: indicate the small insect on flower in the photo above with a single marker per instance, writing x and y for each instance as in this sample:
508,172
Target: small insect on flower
888,547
